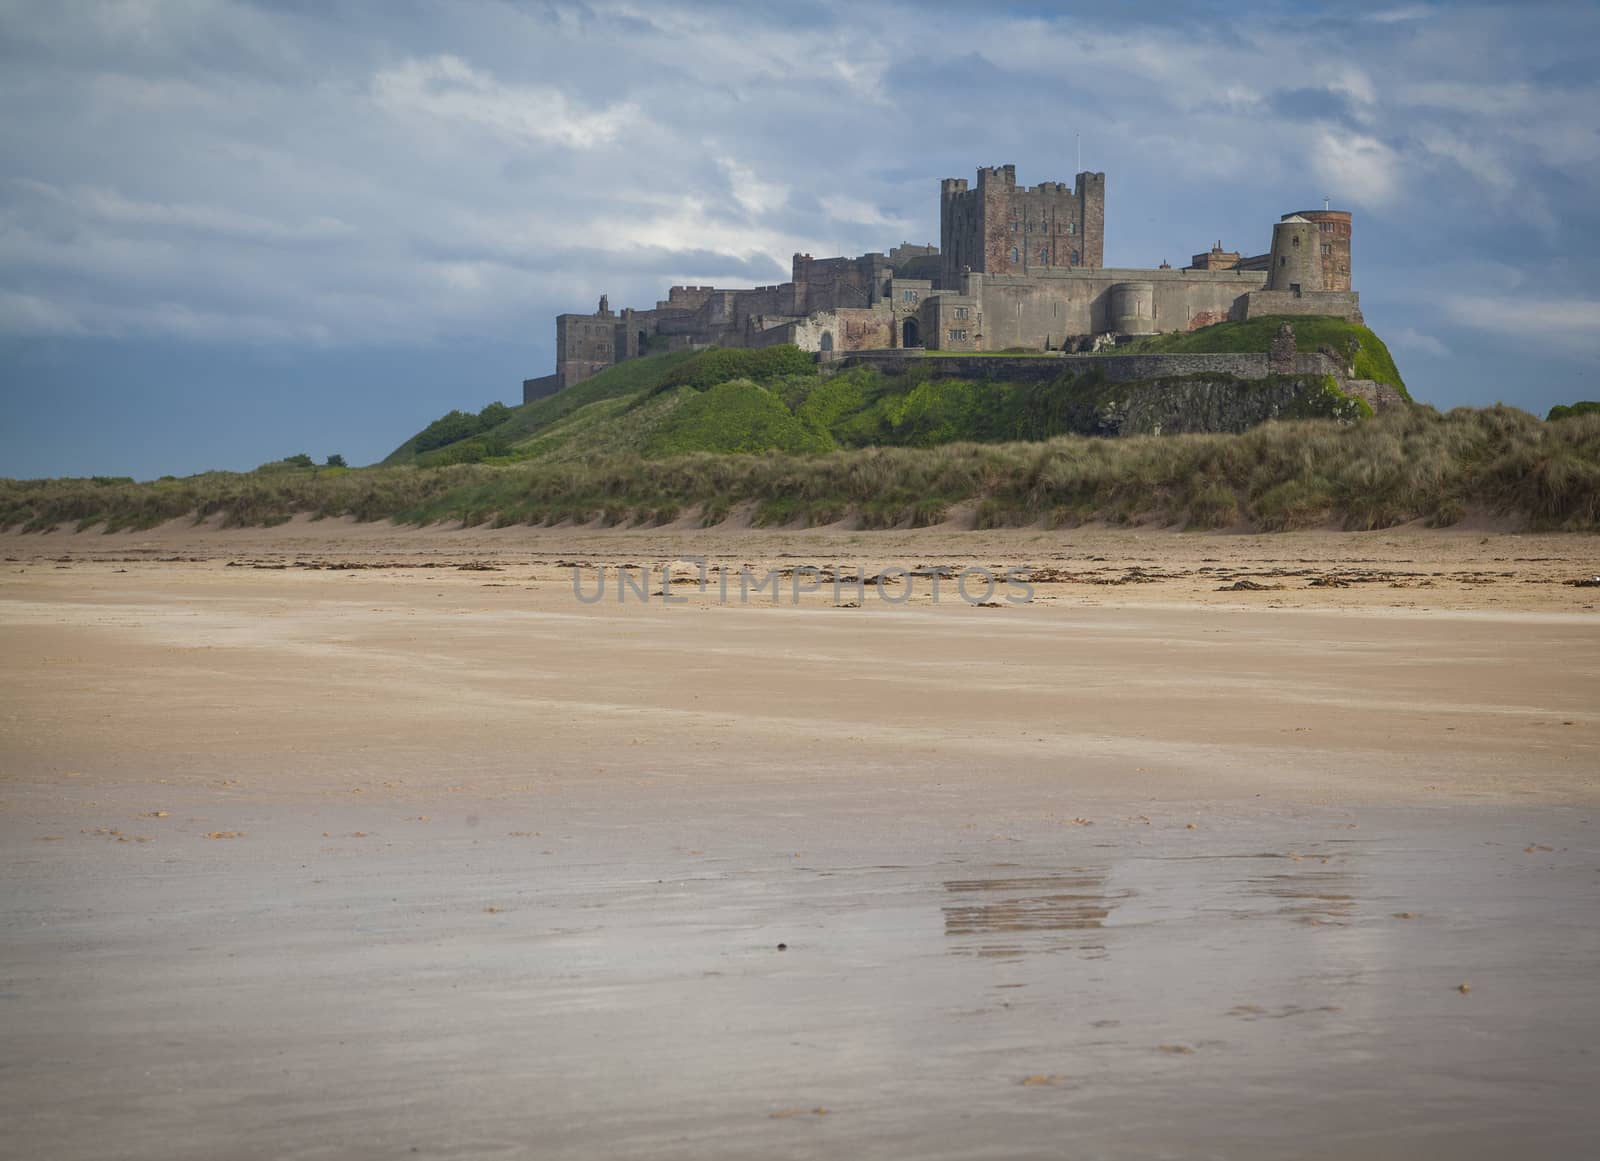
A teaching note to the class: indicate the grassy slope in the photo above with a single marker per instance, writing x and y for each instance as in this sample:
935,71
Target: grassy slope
1311,333
624,379
775,399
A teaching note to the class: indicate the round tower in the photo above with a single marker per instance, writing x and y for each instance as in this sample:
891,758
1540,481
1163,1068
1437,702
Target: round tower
1296,256
1333,244
1133,308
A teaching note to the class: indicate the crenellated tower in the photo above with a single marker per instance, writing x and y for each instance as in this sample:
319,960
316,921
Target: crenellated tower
998,227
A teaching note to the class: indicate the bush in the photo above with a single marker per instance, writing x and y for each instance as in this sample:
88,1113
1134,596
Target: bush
449,428
455,426
1568,410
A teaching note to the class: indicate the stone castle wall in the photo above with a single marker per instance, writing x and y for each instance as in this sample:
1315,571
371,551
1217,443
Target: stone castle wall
1111,367
540,388
1336,303
1053,305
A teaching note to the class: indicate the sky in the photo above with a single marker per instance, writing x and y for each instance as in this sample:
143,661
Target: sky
232,231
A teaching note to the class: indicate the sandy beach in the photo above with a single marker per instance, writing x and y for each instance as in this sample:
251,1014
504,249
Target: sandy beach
348,841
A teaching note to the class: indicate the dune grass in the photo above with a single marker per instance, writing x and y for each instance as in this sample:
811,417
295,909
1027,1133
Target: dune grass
1401,466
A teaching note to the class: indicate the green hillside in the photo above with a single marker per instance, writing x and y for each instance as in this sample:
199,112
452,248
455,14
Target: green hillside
519,423
1364,350
780,399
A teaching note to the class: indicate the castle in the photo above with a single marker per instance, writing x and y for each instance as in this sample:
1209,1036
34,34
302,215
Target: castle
1017,268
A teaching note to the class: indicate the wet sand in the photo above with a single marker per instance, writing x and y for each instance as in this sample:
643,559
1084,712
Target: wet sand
416,860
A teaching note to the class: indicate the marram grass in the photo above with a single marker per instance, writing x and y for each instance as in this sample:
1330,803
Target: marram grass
1416,464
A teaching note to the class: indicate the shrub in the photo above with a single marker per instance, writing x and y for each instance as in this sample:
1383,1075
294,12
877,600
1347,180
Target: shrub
451,427
1568,410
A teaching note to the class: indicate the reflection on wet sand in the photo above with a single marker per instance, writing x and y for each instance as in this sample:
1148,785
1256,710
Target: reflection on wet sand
1033,909
1318,898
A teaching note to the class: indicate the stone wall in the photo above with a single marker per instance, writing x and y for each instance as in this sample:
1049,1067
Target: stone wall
1124,368
951,322
1113,368
1339,304
1048,306
1200,404
1379,396
831,283
540,388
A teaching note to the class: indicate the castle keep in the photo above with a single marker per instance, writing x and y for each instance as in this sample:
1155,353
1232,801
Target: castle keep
1017,268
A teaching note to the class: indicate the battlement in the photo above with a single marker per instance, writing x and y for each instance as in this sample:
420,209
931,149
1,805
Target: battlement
1005,175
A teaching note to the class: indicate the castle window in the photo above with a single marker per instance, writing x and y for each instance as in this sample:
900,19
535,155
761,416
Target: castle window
1295,241
908,296
1013,227
1044,255
1074,257
958,336
1327,249
1072,227
1013,254
961,313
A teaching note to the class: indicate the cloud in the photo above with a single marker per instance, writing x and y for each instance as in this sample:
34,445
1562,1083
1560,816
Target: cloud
1357,168
1402,15
30,315
756,196
1411,339
110,206
1572,324
449,91
840,208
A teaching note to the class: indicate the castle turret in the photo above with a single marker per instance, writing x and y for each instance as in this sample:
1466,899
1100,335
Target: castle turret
1296,256
1333,245
1133,308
